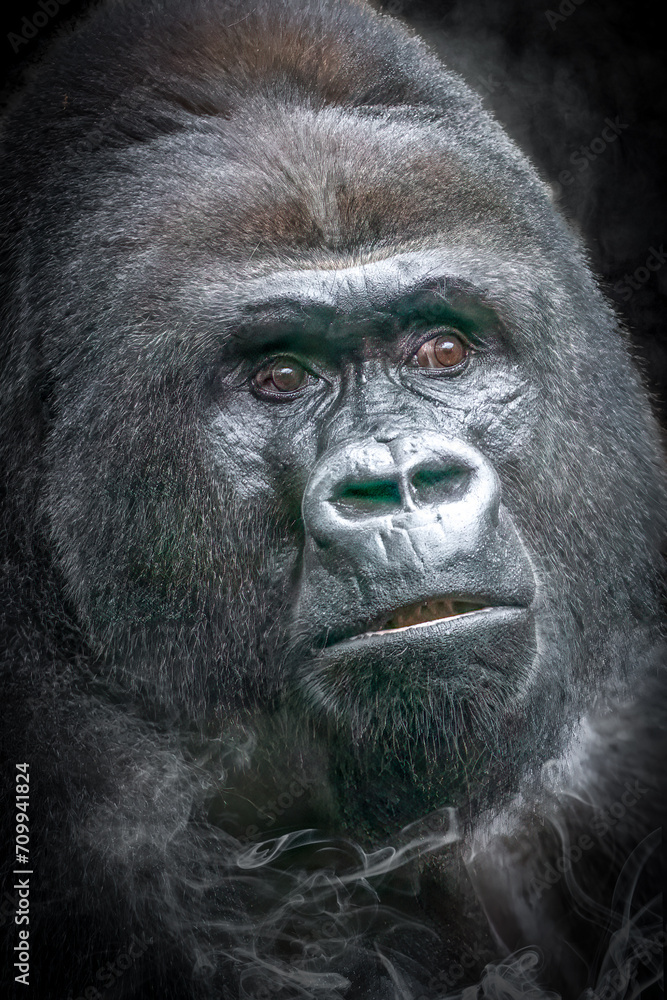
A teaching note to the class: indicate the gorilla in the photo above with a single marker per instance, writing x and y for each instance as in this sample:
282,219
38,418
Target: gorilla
333,505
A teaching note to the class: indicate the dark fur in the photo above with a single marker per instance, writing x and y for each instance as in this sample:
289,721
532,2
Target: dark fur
145,604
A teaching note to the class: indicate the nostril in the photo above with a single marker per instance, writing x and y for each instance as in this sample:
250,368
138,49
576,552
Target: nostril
369,496
431,485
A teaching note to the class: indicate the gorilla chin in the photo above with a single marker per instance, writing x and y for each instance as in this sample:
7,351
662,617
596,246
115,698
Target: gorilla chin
333,506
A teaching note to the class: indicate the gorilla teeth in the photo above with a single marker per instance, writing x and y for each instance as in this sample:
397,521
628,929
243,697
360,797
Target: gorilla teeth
428,611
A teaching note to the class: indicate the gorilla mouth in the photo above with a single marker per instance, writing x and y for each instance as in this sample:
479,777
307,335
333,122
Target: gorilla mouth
423,613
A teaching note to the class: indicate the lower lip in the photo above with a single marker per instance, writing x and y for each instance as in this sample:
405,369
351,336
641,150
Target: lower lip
451,625
432,621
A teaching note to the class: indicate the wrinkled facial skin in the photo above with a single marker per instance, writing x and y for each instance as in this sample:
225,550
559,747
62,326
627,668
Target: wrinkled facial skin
413,588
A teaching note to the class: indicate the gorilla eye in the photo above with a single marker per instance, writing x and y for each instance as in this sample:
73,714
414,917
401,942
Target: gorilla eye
444,351
281,377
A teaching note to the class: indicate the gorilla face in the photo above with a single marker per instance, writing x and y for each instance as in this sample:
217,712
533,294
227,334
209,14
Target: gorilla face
337,439
373,386
325,467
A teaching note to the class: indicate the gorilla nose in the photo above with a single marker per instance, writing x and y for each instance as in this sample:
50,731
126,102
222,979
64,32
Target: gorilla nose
399,477
407,489
396,522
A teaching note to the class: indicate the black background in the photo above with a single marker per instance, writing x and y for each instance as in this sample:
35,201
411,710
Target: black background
552,73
